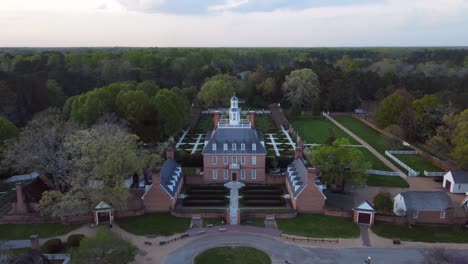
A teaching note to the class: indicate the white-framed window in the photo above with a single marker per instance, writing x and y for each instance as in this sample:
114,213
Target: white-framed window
214,173
242,146
213,146
213,160
242,160
225,146
234,159
415,214
225,174
254,160
254,146
254,174
442,215
242,174
225,160
234,146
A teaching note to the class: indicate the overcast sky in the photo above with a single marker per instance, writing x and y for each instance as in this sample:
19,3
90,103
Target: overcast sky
233,23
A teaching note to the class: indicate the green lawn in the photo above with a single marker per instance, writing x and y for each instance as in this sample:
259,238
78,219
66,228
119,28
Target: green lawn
160,224
314,129
444,234
233,255
386,181
418,163
375,162
320,226
381,142
24,231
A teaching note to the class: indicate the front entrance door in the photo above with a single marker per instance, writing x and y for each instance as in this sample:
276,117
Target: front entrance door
364,218
448,184
103,217
234,176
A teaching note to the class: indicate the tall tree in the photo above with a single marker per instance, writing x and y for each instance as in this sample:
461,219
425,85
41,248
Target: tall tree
300,88
101,159
217,90
172,111
392,107
55,93
7,129
340,164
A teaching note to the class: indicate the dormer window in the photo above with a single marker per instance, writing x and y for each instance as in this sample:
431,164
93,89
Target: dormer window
213,147
254,146
234,146
242,146
225,146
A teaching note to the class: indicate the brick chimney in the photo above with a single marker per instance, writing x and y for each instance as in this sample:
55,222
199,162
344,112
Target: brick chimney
156,176
311,175
252,118
298,152
21,207
169,153
35,243
216,118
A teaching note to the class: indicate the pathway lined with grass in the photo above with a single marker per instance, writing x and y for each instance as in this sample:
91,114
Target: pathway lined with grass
181,139
369,147
196,143
316,129
291,142
274,144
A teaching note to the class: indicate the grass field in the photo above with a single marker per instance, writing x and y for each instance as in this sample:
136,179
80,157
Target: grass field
233,255
418,163
265,123
444,234
159,224
320,226
24,231
315,129
386,181
379,141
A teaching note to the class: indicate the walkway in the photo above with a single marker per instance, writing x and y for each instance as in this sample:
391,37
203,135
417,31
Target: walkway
181,139
272,139
369,147
291,142
284,252
196,144
365,235
234,187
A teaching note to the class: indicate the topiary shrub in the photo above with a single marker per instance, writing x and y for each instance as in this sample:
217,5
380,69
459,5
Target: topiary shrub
52,246
74,240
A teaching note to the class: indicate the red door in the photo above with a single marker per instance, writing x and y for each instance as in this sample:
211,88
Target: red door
103,217
364,218
234,176
448,184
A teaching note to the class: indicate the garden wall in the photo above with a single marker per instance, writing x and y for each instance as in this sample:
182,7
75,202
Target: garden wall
338,213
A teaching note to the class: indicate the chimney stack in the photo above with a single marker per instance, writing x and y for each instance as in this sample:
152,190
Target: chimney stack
156,176
252,118
169,153
20,207
311,175
216,118
35,243
298,152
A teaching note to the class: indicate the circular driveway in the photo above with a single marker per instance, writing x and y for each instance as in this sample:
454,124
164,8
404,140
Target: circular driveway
282,252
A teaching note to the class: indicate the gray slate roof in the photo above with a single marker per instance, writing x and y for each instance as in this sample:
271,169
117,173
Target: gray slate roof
248,136
297,175
171,175
460,176
427,201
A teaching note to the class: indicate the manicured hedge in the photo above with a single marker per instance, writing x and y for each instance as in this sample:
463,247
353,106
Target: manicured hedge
186,202
74,240
263,202
270,192
52,246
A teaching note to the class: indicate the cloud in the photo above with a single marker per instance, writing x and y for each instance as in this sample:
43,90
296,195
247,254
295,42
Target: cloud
229,5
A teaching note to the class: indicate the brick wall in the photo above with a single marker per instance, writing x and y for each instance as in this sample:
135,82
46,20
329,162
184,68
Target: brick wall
201,214
285,215
157,199
338,213
220,167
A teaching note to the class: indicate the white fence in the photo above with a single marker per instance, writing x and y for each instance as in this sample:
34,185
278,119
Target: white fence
225,111
410,170
434,173
384,173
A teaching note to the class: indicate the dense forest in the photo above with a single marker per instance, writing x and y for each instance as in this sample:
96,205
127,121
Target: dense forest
31,80
418,93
